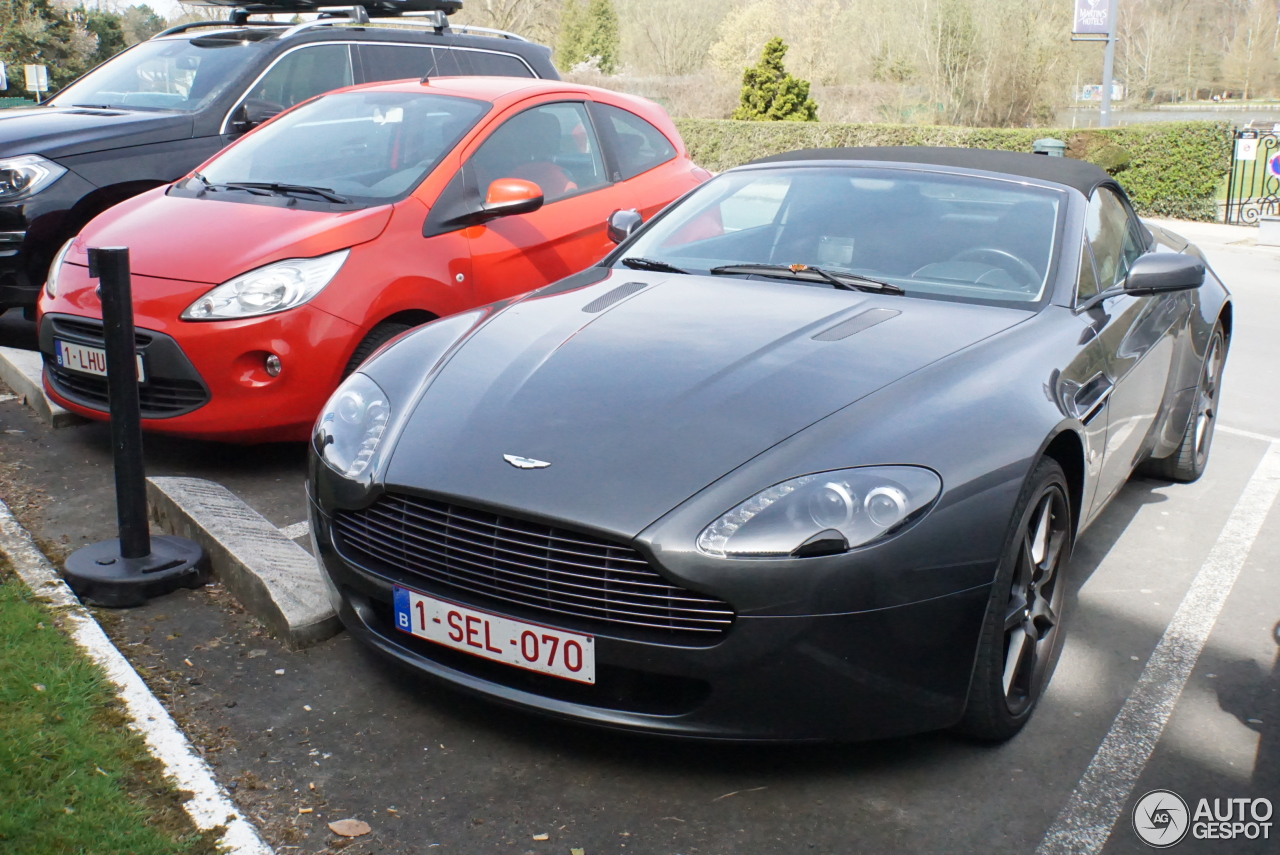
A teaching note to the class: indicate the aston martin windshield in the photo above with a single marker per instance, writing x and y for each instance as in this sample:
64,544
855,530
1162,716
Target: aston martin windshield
926,233
167,74
369,147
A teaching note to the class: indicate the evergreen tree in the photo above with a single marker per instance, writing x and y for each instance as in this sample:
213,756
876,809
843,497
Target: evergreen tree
35,32
588,31
141,23
107,26
770,94
573,21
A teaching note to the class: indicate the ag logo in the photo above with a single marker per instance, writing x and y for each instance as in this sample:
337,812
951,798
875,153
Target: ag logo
1161,819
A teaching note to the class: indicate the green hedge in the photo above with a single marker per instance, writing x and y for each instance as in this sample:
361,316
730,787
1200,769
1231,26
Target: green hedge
1169,169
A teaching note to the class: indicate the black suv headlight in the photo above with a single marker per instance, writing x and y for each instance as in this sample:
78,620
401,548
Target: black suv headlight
26,175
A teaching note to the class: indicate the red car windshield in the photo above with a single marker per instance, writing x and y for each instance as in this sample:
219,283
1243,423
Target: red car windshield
369,147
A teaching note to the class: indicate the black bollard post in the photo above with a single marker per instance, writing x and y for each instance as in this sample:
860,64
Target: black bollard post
136,567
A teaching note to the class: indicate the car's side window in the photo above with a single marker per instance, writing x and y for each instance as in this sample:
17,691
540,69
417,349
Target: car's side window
553,145
392,62
302,74
1087,281
637,145
1111,237
462,62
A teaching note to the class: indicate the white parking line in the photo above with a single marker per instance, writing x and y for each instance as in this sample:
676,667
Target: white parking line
297,530
1099,798
4,399
1248,434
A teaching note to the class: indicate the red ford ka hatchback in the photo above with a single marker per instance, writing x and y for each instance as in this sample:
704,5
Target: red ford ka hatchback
266,276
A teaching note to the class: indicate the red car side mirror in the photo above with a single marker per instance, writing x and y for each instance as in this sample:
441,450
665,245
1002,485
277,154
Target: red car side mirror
509,196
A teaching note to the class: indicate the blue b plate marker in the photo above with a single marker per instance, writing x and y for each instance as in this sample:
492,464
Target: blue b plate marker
404,616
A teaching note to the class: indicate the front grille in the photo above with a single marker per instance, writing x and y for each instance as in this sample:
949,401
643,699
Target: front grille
158,397
91,330
546,570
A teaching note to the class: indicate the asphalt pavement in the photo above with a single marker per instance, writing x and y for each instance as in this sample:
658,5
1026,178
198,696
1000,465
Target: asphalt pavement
334,732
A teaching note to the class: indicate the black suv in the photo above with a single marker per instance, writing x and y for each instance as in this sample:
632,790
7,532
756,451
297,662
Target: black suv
156,111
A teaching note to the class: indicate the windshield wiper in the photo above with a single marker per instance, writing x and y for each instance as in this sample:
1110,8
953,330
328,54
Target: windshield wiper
267,188
637,263
841,280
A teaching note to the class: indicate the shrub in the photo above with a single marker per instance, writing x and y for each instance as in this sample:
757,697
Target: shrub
1169,169
770,94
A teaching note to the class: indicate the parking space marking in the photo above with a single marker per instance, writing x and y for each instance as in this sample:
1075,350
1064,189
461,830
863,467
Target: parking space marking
1083,826
4,399
1248,434
297,530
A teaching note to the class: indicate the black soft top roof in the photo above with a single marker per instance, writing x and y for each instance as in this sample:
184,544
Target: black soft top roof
1061,170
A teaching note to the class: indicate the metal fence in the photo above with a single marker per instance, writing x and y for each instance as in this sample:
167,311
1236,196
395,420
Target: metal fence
1253,185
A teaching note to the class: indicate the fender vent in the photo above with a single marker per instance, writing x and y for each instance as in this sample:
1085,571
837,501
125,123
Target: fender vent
856,324
599,304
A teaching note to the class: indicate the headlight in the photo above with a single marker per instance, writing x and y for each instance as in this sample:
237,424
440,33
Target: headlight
273,288
822,514
26,175
51,281
351,426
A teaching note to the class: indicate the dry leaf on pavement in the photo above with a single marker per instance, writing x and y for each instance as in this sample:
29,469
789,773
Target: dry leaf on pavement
349,828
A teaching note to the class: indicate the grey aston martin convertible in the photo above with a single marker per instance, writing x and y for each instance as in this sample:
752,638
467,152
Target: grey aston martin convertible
804,458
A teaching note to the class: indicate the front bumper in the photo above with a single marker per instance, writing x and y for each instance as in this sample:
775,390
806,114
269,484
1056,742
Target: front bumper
212,376
860,675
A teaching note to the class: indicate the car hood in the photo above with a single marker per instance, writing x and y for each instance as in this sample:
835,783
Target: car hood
643,403
209,240
63,131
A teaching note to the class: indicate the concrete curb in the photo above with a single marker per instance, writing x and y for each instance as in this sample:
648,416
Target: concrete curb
21,370
274,578
207,804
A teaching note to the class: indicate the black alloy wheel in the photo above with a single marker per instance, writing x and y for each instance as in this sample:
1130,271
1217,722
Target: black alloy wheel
1189,461
1022,634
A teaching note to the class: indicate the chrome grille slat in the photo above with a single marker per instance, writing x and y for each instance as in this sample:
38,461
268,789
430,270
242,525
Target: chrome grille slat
450,521
599,611
385,526
478,570
541,568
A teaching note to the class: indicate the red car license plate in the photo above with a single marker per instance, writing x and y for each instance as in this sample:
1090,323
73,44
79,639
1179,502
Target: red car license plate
568,655
87,360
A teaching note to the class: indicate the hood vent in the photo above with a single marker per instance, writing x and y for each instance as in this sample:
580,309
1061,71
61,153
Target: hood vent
601,303
856,324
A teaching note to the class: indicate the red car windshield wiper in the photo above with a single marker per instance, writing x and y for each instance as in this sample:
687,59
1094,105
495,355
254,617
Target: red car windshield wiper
841,280
267,188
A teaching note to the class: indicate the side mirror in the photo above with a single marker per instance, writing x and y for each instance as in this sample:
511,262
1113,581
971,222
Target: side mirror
252,113
622,224
1162,272
509,196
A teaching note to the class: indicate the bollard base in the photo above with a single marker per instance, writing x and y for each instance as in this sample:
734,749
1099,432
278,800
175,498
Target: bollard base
99,575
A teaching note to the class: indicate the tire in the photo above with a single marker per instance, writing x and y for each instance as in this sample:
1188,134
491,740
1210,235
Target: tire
377,337
1189,461
1021,634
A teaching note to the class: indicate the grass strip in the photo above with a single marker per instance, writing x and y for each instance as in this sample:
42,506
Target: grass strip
73,777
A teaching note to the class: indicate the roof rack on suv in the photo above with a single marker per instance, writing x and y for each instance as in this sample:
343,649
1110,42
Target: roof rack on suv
435,20
410,13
